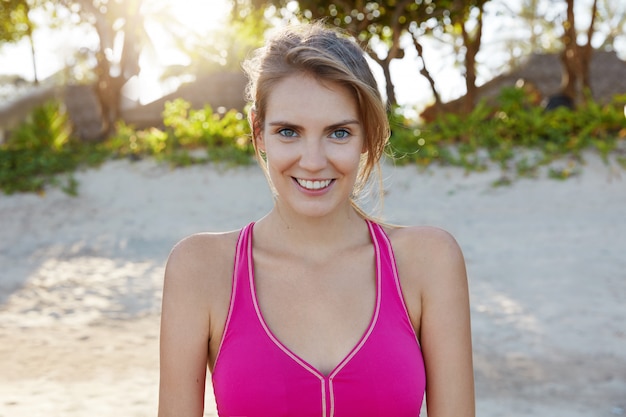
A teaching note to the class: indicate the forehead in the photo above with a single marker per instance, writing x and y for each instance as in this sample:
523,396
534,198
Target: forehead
306,97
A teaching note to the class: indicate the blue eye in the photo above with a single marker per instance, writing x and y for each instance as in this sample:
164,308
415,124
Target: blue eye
340,134
288,133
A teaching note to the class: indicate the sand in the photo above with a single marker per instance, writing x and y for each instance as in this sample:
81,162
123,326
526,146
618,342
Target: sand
81,279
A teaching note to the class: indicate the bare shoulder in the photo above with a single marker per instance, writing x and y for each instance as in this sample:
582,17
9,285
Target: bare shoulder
200,249
427,257
202,262
425,243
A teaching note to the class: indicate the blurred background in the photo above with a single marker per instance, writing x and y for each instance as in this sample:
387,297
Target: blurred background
102,71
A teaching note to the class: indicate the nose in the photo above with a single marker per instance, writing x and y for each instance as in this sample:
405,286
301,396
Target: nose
313,157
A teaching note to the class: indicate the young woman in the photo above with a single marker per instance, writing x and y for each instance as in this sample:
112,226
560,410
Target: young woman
317,309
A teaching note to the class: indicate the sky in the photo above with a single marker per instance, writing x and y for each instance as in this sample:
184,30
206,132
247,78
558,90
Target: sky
55,49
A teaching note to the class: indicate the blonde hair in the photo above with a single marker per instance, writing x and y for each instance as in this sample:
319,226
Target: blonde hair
328,55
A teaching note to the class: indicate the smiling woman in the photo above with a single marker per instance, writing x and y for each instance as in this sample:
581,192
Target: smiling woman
316,309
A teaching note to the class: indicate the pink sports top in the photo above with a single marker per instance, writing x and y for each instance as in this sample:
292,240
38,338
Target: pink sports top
255,375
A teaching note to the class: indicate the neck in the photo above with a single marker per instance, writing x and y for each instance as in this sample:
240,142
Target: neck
321,235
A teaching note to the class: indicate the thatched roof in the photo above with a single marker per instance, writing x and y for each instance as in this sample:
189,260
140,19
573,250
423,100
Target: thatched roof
608,76
543,72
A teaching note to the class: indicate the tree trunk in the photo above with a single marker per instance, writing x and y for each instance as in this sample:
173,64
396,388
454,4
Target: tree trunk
424,70
31,41
103,86
389,87
32,54
586,53
472,46
109,86
395,51
571,57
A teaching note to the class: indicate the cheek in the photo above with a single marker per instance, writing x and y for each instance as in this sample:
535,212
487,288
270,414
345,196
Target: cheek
349,159
279,157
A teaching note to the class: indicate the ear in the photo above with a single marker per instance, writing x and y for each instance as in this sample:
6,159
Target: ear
258,140
257,132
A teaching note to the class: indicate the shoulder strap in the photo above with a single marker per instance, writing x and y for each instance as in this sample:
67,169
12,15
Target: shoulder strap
239,278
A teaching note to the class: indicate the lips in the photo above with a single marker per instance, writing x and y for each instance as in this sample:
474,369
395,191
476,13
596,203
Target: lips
313,185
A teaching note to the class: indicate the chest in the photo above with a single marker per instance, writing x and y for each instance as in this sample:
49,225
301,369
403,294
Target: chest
319,311
323,339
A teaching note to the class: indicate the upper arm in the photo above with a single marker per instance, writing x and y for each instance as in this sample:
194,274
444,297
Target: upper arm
185,329
445,331
436,281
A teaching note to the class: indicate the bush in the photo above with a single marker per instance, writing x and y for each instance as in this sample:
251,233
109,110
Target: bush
190,137
40,149
516,135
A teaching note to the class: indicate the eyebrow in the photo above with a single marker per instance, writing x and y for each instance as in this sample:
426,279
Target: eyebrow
329,127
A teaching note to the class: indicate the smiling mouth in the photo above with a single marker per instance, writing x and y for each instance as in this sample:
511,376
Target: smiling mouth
313,185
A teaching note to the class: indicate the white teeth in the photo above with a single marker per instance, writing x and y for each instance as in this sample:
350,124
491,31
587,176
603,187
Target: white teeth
313,185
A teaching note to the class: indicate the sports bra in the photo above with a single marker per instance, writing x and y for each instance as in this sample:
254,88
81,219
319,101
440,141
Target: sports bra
255,375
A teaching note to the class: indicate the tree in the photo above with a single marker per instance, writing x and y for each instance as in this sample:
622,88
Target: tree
378,25
472,38
612,16
121,26
567,29
382,24
576,58
120,29
15,24
461,22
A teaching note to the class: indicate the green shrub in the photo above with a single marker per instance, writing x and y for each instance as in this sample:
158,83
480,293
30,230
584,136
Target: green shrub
513,134
225,137
39,150
135,144
190,137
42,152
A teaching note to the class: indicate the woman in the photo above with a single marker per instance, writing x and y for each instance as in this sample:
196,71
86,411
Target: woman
316,309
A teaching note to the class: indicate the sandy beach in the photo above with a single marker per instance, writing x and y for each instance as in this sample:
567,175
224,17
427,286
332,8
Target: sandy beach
81,280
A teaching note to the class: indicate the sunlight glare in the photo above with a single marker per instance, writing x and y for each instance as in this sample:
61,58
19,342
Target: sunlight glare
197,17
200,18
